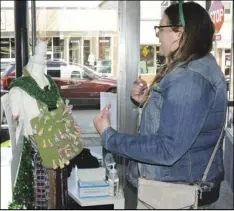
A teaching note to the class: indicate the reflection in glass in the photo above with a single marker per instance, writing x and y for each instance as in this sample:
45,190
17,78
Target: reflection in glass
85,38
86,50
74,50
147,59
5,47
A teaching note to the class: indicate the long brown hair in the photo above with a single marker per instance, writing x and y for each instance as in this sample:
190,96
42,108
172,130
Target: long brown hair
196,40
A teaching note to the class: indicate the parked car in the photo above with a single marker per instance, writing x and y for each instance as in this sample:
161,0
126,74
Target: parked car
80,84
5,63
85,85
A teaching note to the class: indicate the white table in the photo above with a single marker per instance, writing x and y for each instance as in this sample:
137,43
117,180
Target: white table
117,201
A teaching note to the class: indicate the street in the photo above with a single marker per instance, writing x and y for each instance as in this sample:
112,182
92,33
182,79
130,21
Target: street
84,118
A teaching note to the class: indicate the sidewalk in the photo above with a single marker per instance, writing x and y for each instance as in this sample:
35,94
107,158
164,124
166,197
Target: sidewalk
91,140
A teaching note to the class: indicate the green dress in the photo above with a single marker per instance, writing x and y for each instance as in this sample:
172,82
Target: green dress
55,133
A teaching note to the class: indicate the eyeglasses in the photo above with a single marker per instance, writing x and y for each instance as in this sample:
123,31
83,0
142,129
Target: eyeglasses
157,28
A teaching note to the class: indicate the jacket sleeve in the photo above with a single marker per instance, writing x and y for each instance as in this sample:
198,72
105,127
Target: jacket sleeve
140,105
185,107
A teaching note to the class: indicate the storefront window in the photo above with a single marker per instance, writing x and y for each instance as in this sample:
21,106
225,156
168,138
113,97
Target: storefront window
61,51
5,48
49,44
56,48
150,60
87,53
104,48
49,54
147,59
227,60
74,50
104,64
12,47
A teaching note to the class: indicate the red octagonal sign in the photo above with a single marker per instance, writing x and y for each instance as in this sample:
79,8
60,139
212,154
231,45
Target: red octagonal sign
217,14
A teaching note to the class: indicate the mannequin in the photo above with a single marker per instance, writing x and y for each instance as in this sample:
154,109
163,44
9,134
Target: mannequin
46,121
24,107
91,59
39,102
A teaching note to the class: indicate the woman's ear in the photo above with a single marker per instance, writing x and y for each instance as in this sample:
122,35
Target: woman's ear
180,32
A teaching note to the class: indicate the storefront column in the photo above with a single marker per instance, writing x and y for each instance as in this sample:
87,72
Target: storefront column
115,58
219,58
66,49
223,60
34,28
82,50
97,48
94,46
129,59
112,54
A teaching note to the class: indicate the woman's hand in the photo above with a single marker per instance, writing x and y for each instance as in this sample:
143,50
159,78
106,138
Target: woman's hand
139,90
102,120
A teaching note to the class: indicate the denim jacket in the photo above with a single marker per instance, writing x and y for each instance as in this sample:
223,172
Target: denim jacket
179,127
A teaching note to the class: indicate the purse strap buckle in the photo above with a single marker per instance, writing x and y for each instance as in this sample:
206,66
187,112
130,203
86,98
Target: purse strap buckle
206,186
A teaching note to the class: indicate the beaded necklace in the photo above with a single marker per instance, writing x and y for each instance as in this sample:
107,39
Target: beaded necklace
29,85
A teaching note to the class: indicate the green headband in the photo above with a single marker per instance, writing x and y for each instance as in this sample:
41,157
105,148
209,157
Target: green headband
181,13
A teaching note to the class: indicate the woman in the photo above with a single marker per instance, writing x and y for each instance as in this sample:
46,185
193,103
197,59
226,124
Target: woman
183,109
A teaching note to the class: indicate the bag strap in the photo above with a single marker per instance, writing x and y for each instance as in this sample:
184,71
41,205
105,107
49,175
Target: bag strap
204,177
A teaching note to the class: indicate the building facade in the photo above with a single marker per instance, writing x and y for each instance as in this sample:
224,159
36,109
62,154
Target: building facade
75,35
90,35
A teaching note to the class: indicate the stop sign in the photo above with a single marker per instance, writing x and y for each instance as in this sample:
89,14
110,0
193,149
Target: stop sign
217,14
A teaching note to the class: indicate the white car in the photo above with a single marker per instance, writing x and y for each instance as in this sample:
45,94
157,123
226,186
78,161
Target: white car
5,63
57,69
60,69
